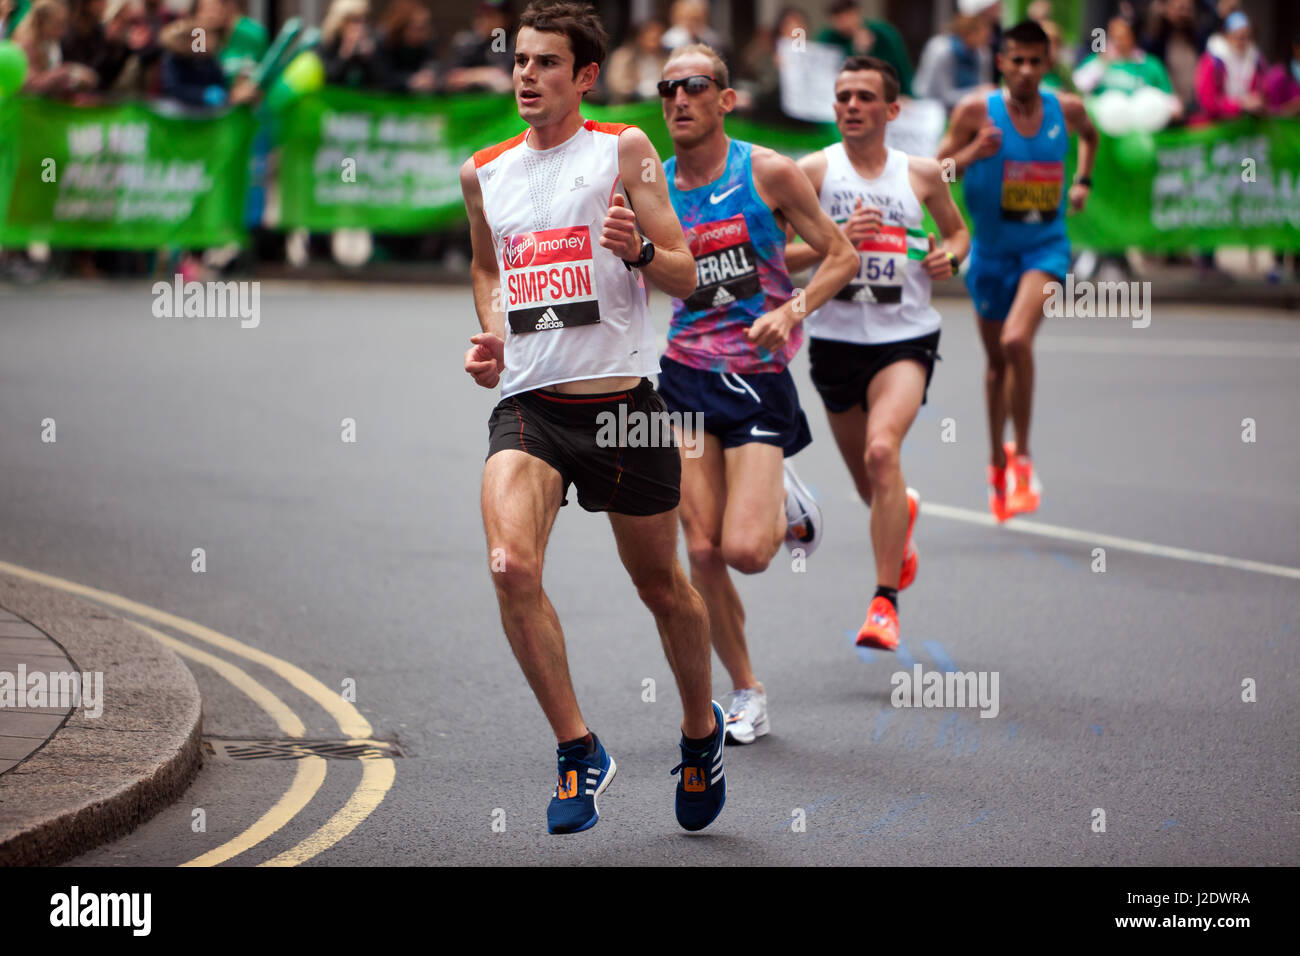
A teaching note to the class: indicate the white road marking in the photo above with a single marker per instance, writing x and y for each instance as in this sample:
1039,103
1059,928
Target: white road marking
1026,526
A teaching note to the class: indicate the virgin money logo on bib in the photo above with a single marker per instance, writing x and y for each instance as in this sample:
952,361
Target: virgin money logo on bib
519,250
550,279
726,264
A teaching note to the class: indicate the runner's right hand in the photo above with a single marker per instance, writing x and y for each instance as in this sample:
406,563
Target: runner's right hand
485,361
988,140
864,222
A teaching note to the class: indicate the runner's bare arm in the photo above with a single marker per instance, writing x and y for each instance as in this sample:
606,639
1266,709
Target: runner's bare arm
799,255
483,265
929,185
783,185
1078,121
971,134
485,359
673,268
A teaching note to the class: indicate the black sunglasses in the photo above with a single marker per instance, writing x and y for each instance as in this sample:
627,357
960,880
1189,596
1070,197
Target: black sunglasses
695,85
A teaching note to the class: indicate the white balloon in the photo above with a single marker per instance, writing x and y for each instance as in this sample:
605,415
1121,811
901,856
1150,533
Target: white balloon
1150,109
1111,112
351,247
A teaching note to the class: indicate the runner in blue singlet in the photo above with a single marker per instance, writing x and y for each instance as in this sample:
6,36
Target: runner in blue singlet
1011,144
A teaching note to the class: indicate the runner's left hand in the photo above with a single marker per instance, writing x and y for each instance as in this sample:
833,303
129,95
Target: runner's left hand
937,265
1078,196
619,234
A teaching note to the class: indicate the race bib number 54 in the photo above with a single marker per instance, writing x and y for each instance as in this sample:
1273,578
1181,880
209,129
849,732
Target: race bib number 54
882,261
550,280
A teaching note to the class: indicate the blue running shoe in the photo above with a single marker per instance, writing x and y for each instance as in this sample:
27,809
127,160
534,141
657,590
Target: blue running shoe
702,789
583,778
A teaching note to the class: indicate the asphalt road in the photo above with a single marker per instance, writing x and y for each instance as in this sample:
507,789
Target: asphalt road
1119,691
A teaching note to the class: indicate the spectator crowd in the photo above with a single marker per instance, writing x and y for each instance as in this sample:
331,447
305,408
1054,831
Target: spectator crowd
1201,54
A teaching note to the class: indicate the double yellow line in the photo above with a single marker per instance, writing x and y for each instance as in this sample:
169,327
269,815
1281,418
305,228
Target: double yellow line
377,774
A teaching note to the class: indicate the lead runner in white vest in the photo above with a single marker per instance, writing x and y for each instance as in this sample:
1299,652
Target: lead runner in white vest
566,218
872,348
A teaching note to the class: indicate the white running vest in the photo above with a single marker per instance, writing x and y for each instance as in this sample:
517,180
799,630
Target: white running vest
573,310
889,299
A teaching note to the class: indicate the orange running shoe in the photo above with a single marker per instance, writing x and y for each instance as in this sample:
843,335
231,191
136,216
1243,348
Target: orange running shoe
1028,491
998,493
908,574
881,627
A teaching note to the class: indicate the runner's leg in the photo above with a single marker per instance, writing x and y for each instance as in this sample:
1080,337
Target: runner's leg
850,431
704,499
521,496
755,487
1018,346
648,548
995,388
893,398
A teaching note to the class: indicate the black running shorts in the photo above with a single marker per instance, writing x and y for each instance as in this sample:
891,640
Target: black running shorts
616,448
841,371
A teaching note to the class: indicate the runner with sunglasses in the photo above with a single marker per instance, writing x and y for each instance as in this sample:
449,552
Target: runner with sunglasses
565,231
728,347
873,347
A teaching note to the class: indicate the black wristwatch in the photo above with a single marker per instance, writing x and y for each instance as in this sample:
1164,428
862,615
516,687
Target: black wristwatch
643,260
1083,181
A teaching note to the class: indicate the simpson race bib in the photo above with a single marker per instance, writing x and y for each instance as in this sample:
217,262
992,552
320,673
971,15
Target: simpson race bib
726,265
1031,191
882,260
550,280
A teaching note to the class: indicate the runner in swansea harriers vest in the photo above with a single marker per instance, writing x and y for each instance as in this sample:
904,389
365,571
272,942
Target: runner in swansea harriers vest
872,348
729,343
1011,145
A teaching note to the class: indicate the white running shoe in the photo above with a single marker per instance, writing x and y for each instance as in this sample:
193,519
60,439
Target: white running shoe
747,718
802,515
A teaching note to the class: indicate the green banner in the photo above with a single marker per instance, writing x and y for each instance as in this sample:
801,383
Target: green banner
1233,184
392,163
386,163
122,176
135,176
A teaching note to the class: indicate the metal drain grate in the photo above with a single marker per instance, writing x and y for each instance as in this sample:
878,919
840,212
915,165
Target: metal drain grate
238,748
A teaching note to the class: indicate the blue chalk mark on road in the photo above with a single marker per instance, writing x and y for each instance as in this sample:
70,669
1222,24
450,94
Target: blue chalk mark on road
883,717
905,656
939,656
1171,822
1096,729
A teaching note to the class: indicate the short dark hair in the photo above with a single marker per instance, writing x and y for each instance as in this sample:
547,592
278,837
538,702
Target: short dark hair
836,7
886,70
1026,33
577,21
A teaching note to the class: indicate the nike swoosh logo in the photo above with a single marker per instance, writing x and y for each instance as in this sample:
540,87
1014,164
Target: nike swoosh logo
715,198
759,433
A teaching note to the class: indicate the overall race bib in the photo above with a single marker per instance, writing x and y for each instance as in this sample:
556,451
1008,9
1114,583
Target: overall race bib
1031,191
882,260
726,264
550,280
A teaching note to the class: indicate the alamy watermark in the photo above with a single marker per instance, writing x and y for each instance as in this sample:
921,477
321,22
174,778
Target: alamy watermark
208,300
53,689
637,429
946,689
1099,300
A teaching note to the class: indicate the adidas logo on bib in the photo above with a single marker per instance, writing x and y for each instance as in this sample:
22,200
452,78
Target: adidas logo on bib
549,320
864,294
723,297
